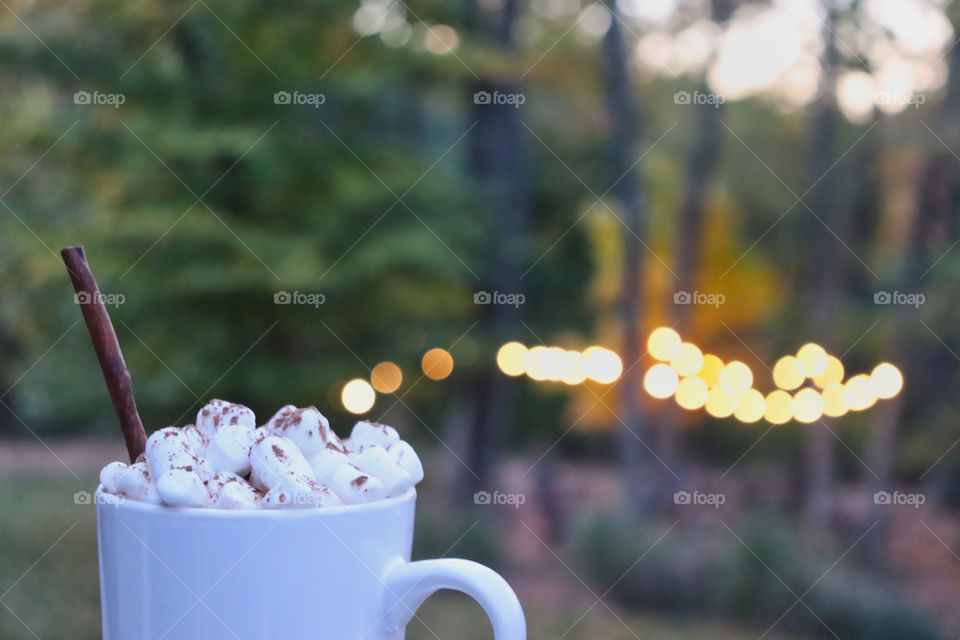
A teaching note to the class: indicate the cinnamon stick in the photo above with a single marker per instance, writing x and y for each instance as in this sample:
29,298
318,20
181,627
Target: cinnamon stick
108,349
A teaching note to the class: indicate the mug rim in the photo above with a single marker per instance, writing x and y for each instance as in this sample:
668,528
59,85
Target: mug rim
104,499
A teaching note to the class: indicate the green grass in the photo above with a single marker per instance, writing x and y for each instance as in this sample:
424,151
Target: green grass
52,586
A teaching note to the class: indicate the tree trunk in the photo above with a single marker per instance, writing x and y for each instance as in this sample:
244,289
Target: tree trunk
824,293
701,166
498,167
628,195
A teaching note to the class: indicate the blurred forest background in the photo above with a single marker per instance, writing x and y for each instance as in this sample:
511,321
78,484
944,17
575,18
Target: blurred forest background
797,159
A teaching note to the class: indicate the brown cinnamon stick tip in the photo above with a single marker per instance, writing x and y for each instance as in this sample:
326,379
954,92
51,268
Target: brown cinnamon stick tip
107,348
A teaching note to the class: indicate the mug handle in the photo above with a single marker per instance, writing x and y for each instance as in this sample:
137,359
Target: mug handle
410,583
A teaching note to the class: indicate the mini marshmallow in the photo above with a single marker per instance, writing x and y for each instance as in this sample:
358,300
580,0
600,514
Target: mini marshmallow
168,448
229,449
284,411
218,413
196,441
366,433
182,488
230,491
407,458
293,490
222,479
237,495
137,484
354,486
325,461
377,462
307,428
110,476
203,468
273,457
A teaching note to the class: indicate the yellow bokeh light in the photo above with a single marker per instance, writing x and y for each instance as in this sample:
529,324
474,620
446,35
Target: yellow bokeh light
833,374
711,370
688,360
750,406
577,369
720,403
535,363
660,381
807,406
778,410
437,364
692,393
858,393
441,39
602,365
736,377
833,402
386,377
663,343
511,358
887,380
559,363
813,357
788,373
358,396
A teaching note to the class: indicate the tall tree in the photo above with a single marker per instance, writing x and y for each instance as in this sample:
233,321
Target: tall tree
824,294
628,194
688,234
498,168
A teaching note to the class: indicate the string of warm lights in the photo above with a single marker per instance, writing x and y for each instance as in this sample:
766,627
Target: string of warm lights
358,396
697,380
557,364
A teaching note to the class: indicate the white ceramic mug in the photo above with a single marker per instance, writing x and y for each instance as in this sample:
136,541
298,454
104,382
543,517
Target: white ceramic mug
341,573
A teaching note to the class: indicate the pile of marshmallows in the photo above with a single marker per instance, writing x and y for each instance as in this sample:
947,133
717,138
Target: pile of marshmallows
225,461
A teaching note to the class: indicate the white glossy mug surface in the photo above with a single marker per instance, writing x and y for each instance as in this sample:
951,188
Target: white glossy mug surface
342,573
